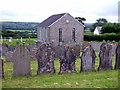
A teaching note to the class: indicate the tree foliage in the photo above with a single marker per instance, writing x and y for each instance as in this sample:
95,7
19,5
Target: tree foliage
99,22
111,28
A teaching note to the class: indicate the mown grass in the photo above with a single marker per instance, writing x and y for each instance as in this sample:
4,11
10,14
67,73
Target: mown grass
25,40
98,79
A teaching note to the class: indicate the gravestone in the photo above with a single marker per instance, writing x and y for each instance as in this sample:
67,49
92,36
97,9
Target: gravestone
45,56
9,56
117,64
11,48
38,44
88,59
105,56
58,51
84,45
114,46
4,48
33,54
67,60
21,61
17,42
76,50
31,47
1,68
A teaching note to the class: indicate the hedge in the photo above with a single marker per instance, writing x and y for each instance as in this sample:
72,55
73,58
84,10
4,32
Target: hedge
110,37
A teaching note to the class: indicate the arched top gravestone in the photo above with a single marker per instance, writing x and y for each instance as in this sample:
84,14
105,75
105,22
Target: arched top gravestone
45,56
21,61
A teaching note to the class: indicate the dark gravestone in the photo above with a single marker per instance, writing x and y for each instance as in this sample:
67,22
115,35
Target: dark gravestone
21,61
1,68
76,50
9,56
11,48
105,57
45,56
117,64
88,59
67,60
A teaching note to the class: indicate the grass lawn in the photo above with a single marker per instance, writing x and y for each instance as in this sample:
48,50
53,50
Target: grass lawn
98,79
32,41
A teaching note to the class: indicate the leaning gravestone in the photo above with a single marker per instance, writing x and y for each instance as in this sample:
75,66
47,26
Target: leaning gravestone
21,61
9,56
45,56
117,64
105,57
1,68
67,60
88,59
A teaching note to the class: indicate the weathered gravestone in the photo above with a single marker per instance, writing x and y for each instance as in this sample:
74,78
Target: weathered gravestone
45,56
11,48
1,68
88,59
76,50
105,57
9,56
21,61
67,60
117,64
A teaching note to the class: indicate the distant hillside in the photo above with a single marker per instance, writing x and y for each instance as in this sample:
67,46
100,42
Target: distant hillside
88,24
25,25
19,25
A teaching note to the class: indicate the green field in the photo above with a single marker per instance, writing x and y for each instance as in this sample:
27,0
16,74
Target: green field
25,40
98,79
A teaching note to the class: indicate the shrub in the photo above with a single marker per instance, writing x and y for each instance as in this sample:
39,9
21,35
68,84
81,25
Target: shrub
106,36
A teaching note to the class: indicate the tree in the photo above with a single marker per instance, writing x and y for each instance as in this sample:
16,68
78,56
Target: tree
81,19
111,28
99,22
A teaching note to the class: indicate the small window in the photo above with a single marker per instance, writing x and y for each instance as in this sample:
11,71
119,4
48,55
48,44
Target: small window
60,34
73,34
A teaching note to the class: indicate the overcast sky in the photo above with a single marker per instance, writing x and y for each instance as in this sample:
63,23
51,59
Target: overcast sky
38,10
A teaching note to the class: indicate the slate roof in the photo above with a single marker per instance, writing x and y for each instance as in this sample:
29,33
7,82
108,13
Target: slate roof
47,22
